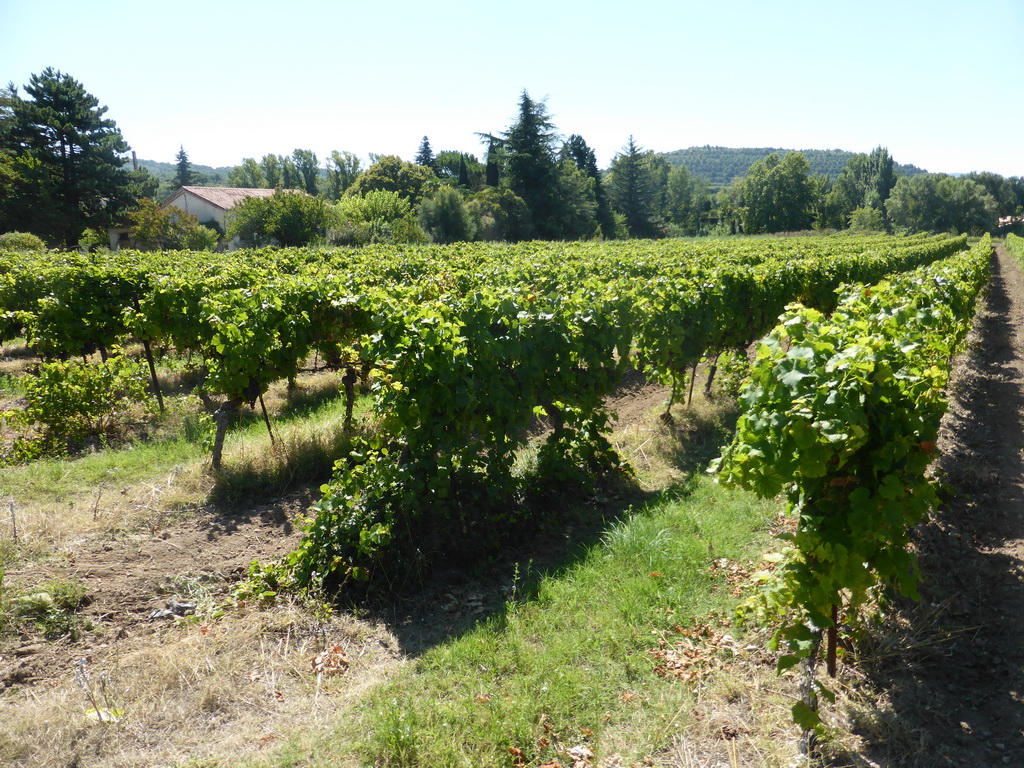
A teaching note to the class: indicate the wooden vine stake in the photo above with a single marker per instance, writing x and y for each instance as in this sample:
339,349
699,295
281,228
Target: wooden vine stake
149,359
266,420
14,523
693,378
833,640
152,374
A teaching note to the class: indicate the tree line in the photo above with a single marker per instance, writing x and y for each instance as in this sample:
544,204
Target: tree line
63,178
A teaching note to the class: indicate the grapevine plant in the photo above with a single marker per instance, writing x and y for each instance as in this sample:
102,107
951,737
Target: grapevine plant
841,416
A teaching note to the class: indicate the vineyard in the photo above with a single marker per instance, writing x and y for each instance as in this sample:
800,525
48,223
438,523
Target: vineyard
488,372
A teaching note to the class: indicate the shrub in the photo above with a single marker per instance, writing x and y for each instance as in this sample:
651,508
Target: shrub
21,242
867,220
93,240
445,218
73,401
289,218
379,216
156,228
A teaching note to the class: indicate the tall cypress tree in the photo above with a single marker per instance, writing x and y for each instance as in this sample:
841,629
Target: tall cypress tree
583,157
492,170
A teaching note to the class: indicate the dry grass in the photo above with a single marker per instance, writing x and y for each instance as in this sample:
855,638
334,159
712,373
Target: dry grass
738,717
663,452
61,503
55,516
224,690
15,358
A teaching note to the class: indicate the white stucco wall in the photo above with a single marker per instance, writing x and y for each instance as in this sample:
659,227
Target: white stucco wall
201,209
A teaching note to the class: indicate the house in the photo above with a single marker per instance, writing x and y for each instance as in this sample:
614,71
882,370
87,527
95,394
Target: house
208,204
212,203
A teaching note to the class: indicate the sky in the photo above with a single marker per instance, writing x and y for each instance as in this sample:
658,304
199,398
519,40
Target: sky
940,83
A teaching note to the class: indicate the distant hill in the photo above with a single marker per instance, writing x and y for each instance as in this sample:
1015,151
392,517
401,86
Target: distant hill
213,177
720,165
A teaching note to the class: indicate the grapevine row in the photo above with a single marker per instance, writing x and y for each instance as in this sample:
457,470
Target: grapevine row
841,416
469,343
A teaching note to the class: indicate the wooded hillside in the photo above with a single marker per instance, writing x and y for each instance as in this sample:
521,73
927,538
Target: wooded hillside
720,165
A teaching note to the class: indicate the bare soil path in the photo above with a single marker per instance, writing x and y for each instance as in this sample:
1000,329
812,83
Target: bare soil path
127,577
953,691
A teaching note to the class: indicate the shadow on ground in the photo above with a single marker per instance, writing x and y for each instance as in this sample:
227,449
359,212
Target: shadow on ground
951,666
428,609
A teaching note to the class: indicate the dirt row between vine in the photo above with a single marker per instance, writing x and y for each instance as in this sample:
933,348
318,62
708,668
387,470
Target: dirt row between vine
950,680
128,577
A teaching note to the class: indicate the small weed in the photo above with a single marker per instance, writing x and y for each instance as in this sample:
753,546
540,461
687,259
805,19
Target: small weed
105,714
11,385
52,608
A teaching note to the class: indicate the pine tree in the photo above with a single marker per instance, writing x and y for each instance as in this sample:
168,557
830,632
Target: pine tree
633,192
530,165
76,156
184,176
425,155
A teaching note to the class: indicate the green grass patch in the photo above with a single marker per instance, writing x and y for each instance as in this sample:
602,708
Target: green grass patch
186,443
11,385
50,609
571,665
65,479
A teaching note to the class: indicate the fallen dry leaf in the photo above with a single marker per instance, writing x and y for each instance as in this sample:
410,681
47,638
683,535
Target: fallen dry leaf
582,756
702,650
330,662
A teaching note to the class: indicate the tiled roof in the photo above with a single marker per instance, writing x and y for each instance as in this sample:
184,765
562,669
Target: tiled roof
223,197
